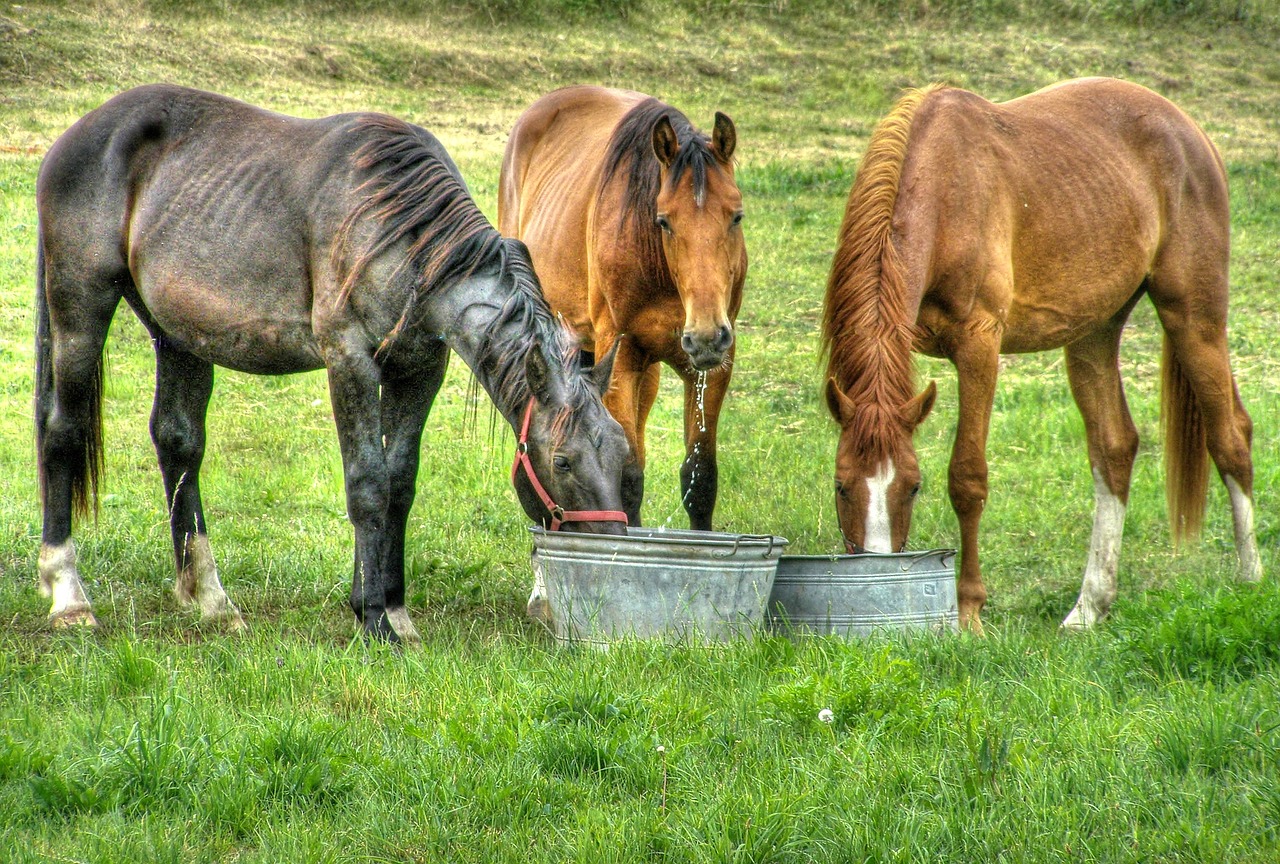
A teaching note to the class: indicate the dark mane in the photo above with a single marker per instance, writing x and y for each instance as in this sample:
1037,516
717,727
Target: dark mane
412,194
630,155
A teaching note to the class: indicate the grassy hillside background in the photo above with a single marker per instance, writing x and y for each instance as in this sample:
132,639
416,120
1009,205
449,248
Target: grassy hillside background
152,739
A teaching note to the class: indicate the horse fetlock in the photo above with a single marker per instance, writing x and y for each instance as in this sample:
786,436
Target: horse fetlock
538,606
60,581
198,585
1250,563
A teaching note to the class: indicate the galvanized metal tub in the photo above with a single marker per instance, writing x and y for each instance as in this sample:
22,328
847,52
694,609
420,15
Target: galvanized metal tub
853,595
658,583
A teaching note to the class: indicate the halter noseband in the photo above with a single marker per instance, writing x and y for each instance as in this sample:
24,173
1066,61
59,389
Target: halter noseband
558,514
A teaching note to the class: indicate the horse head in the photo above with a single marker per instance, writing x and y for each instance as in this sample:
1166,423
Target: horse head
877,473
573,453
699,212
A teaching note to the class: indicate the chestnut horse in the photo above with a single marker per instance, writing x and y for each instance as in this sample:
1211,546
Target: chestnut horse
632,218
975,229
271,245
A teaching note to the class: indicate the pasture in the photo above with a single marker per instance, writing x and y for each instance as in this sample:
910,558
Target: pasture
1155,737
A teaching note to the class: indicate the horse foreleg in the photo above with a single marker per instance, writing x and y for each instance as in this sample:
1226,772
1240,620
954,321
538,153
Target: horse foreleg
405,403
631,379
184,384
976,362
1094,374
354,380
699,476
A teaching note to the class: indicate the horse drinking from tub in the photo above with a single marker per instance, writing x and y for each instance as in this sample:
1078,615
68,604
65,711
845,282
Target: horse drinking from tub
270,245
632,218
975,229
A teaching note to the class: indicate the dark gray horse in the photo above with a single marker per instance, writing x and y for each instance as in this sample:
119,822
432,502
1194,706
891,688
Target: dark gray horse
272,245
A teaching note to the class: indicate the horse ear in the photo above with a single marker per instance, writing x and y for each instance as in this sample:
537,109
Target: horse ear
918,408
724,138
840,405
538,373
665,143
603,370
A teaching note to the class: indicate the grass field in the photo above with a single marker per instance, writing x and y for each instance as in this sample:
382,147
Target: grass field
1157,737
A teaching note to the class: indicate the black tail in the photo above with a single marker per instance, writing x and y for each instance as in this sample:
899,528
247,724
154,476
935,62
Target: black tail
85,450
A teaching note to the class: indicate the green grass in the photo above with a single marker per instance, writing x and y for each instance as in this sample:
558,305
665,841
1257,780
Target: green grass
1154,738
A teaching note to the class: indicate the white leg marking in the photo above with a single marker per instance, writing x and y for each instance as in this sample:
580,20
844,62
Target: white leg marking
879,533
199,584
538,607
1246,542
1098,590
60,580
398,617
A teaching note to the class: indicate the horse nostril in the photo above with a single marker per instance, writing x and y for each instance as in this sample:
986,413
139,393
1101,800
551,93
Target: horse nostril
724,338
686,343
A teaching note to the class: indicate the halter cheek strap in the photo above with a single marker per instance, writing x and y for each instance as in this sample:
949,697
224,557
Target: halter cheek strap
558,514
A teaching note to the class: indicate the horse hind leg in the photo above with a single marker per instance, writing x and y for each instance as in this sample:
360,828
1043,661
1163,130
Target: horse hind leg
1199,381
1094,374
184,384
1200,359
69,387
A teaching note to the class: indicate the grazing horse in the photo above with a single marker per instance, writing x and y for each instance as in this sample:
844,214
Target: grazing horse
975,229
633,220
271,245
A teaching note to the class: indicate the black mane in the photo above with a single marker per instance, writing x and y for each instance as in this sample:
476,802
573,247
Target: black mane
413,194
631,156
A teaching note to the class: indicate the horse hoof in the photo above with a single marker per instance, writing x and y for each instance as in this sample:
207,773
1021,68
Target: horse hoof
233,622
74,616
1081,620
401,623
539,609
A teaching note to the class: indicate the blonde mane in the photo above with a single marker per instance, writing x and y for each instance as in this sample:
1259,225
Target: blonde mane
866,331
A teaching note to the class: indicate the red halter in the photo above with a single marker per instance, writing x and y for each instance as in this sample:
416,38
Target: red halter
558,514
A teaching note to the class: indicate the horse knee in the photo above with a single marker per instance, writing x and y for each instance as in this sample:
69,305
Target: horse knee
176,441
967,487
367,499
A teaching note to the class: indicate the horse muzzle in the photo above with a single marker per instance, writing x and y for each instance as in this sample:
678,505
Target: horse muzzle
707,349
596,527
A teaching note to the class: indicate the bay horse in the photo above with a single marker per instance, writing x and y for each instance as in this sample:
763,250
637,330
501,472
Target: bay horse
271,245
633,219
975,229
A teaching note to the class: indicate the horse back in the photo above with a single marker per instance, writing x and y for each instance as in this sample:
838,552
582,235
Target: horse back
551,171
215,218
1060,200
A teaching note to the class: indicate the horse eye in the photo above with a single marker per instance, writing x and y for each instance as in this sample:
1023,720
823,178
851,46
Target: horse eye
662,223
915,490
737,218
561,463
839,488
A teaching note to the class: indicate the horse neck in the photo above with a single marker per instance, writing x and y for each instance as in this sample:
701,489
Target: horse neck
473,316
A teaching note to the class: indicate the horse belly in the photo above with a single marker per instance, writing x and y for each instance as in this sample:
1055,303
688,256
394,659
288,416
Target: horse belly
251,329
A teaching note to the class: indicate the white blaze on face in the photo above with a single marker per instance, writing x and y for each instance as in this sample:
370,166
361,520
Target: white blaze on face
878,536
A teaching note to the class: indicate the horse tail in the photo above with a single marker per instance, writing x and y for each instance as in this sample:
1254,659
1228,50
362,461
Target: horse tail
865,323
86,449
1185,453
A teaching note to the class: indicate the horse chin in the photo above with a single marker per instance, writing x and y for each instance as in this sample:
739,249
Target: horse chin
705,361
